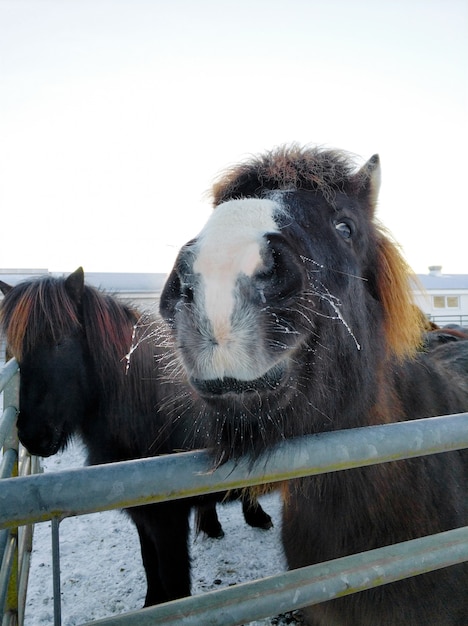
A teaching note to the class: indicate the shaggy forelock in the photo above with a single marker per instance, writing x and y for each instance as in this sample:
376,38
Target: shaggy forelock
286,168
37,309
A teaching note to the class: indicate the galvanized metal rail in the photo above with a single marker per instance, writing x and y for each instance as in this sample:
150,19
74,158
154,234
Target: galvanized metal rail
130,483
15,543
304,587
25,500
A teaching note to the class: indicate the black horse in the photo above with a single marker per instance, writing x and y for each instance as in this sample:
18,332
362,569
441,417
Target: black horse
93,366
291,314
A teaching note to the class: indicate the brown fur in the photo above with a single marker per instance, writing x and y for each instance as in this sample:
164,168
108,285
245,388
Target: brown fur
402,318
287,167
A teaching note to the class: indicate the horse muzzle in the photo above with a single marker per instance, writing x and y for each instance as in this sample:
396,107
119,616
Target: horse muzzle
41,446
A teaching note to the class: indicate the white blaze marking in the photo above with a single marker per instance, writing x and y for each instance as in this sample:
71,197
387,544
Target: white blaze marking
229,245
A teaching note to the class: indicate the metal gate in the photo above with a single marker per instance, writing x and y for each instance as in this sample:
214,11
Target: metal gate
25,500
15,542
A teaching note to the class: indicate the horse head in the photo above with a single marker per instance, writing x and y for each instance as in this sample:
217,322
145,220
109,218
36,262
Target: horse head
290,264
41,319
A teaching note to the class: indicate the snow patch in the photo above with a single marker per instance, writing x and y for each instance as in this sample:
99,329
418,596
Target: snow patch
101,570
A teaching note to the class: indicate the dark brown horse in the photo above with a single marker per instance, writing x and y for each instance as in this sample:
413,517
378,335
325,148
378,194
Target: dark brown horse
92,366
291,314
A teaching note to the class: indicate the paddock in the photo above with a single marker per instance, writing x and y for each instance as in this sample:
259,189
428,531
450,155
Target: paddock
27,498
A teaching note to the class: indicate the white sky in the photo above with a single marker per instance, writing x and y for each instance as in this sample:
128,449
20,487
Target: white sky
116,116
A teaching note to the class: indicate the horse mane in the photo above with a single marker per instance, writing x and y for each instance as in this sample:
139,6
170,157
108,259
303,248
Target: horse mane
328,172
37,308
402,319
44,309
117,336
108,325
121,342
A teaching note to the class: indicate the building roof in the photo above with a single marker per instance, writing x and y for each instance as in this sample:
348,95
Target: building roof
437,282
130,282
136,282
126,281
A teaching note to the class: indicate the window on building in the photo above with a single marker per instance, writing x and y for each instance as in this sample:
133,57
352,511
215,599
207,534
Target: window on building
453,302
446,302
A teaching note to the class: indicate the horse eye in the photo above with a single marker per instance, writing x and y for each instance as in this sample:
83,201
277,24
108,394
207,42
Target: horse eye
344,229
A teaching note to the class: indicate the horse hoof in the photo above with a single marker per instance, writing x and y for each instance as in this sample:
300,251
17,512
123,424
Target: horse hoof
263,522
267,525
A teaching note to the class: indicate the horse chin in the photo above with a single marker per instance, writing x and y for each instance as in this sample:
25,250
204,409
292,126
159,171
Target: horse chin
228,387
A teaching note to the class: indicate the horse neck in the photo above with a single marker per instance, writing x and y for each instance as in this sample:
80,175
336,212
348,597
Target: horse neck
348,389
127,380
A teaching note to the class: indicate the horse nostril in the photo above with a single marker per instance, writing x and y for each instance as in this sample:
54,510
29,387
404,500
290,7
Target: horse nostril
280,277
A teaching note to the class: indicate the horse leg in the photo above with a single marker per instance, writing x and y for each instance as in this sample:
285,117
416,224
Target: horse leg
149,557
254,515
206,519
163,530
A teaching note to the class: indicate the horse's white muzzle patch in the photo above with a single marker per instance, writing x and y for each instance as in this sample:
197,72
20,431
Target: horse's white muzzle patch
229,247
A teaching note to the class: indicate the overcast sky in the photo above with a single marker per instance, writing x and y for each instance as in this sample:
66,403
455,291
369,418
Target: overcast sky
116,116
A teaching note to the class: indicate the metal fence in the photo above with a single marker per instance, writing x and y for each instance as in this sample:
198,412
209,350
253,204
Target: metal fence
444,320
15,542
29,499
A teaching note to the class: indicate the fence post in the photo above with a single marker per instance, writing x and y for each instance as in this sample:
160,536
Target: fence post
9,606
56,571
10,574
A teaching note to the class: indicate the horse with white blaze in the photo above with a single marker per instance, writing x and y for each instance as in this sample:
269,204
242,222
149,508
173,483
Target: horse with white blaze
290,314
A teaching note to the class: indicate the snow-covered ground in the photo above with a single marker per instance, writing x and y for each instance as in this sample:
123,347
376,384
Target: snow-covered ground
101,570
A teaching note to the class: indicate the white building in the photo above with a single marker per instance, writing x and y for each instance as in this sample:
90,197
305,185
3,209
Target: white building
142,290
443,297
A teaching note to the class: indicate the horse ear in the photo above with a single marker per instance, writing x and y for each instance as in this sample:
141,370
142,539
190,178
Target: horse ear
74,285
368,182
5,287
